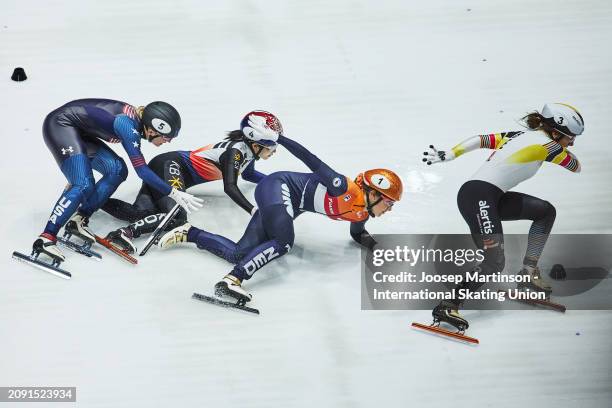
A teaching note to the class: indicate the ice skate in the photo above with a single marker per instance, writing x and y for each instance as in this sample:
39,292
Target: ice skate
174,237
122,238
448,312
78,225
231,286
47,246
536,283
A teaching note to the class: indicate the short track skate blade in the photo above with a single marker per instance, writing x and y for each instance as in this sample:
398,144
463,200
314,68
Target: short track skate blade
80,249
446,333
108,245
54,270
223,303
536,302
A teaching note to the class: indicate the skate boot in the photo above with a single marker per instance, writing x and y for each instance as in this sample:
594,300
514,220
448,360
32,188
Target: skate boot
78,225
174,237
122,238
45,244
535,283
231,286
449,312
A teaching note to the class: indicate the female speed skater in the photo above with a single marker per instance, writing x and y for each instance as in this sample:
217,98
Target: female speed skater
281,197
485,200
181,169
75,134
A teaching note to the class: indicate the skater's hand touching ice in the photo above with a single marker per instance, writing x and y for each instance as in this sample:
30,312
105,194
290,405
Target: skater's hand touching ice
437,156
187,201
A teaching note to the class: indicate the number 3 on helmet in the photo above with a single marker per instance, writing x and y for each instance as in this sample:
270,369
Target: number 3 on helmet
384,181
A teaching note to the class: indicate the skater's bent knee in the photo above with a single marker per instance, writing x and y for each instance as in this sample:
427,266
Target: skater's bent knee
551,211
119,169
85,187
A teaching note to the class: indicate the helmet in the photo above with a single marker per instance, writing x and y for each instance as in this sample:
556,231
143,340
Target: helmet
163,118
271,121
563,118
384,181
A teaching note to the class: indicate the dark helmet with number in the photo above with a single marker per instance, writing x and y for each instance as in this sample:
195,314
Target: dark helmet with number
163,118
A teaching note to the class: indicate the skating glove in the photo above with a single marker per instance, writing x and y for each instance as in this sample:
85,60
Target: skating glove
258,130
187,201
434,156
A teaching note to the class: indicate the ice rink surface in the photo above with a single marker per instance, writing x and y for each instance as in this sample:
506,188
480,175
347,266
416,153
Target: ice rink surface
362,84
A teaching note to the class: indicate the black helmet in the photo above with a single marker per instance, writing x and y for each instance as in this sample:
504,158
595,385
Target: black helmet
163,118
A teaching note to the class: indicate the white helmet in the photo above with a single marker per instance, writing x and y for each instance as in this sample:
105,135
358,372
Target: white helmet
563,118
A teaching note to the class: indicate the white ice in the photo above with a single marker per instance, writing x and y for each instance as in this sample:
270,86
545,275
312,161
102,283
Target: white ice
362,84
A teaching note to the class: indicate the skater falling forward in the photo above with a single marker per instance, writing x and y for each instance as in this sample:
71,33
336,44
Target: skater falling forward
283,196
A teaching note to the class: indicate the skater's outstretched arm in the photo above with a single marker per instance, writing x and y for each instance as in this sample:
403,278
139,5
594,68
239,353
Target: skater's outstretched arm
361,236
335,182
490,141
231,161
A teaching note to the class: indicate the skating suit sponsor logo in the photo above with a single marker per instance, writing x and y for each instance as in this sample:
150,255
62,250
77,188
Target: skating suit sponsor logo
149,219
66,150
286,196
174,177
237,161
261,259
486,225
59,209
